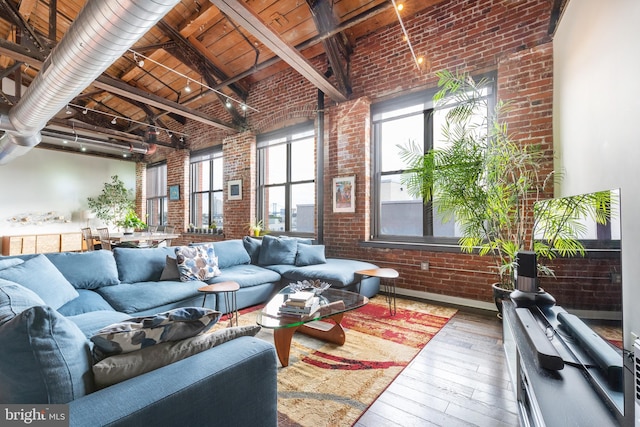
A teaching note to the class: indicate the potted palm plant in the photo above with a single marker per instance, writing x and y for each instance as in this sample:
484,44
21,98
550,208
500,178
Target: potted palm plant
494,186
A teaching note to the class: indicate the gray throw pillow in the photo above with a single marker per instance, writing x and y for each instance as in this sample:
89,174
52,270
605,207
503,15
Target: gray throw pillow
121,367
278,250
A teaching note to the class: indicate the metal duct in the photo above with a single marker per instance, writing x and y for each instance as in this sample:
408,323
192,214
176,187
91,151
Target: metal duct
103,32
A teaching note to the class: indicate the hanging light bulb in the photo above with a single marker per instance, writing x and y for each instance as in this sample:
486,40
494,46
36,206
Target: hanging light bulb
244,107
228,103
187,88
400,6
113,122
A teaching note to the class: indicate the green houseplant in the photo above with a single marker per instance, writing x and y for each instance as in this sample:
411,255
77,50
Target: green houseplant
495,187
131,221
113,203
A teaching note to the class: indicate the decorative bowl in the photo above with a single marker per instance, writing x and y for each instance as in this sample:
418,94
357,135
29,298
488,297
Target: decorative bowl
315,286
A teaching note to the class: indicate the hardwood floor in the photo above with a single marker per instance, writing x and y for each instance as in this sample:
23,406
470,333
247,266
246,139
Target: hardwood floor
459,379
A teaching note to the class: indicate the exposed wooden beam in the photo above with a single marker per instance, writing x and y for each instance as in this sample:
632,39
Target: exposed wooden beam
20,53
247,19
123,89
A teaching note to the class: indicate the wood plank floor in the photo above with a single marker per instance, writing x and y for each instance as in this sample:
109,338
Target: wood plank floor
459,379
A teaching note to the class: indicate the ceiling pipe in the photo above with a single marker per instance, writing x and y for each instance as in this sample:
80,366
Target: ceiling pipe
82,140
102,33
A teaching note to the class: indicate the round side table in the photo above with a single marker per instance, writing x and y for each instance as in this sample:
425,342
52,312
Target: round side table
388,286
229,289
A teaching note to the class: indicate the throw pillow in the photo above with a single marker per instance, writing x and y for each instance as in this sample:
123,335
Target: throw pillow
9,262
310,255
14,299
45,359
140,332
170,270
115,369
277,250
197,263
43,278
252,247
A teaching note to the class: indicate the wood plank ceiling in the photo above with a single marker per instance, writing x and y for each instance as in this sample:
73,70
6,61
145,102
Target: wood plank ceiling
227,45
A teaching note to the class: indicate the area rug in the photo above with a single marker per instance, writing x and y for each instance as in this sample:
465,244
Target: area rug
330,385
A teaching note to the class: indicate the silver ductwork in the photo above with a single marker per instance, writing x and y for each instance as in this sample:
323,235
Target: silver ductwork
103,32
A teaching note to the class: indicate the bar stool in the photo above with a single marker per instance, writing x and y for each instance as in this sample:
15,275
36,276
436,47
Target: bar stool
229,289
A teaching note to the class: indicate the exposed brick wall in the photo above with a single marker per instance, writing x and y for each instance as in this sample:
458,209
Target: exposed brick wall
178,174
473,36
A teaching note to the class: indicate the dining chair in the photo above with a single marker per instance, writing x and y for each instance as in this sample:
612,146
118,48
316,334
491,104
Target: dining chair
87,237
169,229
105,240
152,228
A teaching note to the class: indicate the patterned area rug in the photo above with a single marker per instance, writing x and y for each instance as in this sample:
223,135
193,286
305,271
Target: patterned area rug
330,385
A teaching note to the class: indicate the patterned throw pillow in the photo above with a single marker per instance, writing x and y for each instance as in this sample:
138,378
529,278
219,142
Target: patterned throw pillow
140,332
197,262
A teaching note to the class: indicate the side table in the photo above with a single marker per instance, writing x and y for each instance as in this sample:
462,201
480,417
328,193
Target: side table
388,286
229,289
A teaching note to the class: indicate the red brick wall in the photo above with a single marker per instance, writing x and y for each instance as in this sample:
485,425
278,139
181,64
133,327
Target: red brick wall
474,36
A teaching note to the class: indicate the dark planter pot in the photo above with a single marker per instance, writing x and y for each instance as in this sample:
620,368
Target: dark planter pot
500,294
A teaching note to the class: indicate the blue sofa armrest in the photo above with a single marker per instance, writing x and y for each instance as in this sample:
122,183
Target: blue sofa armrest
233,384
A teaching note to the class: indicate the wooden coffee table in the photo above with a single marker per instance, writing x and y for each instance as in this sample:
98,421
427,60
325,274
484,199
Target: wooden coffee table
334,303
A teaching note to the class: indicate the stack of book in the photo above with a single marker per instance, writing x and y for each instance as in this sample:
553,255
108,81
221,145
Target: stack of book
300,304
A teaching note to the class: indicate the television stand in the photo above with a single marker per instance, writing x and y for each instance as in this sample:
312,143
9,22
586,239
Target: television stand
549,397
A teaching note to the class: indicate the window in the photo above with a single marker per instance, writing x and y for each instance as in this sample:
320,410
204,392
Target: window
157,194
398,216
286,184
206,202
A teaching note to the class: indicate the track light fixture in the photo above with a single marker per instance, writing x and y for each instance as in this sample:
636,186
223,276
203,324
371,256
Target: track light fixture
68,111
113,122
398,7
85,111
140,62
187,89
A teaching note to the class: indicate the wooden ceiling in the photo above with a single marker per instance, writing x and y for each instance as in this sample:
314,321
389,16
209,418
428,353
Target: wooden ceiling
224,44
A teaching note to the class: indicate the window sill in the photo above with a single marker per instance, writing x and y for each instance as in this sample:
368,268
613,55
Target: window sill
413,246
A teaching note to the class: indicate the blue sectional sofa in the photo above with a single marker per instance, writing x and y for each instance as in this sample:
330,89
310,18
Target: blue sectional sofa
50,305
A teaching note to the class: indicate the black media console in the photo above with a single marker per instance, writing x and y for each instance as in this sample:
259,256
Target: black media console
552,387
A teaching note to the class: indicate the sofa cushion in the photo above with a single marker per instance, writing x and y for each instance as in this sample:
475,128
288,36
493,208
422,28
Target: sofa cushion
139,332
44,359
14,299
141,264
43,278
277,250
230,253
170,270
87,270
310,255
137,297
115,369
196,262
338,272
90,323
9,262
252,246
247,275
86,302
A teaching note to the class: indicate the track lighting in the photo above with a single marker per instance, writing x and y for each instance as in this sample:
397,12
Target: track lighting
187,88
68,111
85,111
113,122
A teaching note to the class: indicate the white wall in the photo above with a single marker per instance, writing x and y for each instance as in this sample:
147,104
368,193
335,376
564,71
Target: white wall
596,115
45,184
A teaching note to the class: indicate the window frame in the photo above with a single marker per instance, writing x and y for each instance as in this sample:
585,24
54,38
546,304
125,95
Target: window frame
160,199
263,142
424,97
210,155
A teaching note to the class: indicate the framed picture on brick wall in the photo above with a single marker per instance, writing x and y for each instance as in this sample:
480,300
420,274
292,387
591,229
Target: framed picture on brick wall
234,190
344,194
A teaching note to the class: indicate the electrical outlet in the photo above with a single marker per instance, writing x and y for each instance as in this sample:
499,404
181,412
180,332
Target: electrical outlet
424,265
616,278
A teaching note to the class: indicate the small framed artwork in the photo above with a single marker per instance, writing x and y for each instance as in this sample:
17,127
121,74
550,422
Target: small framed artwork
234,189
174,192
344,194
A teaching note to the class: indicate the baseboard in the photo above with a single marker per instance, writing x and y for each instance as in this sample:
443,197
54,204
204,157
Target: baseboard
465,302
